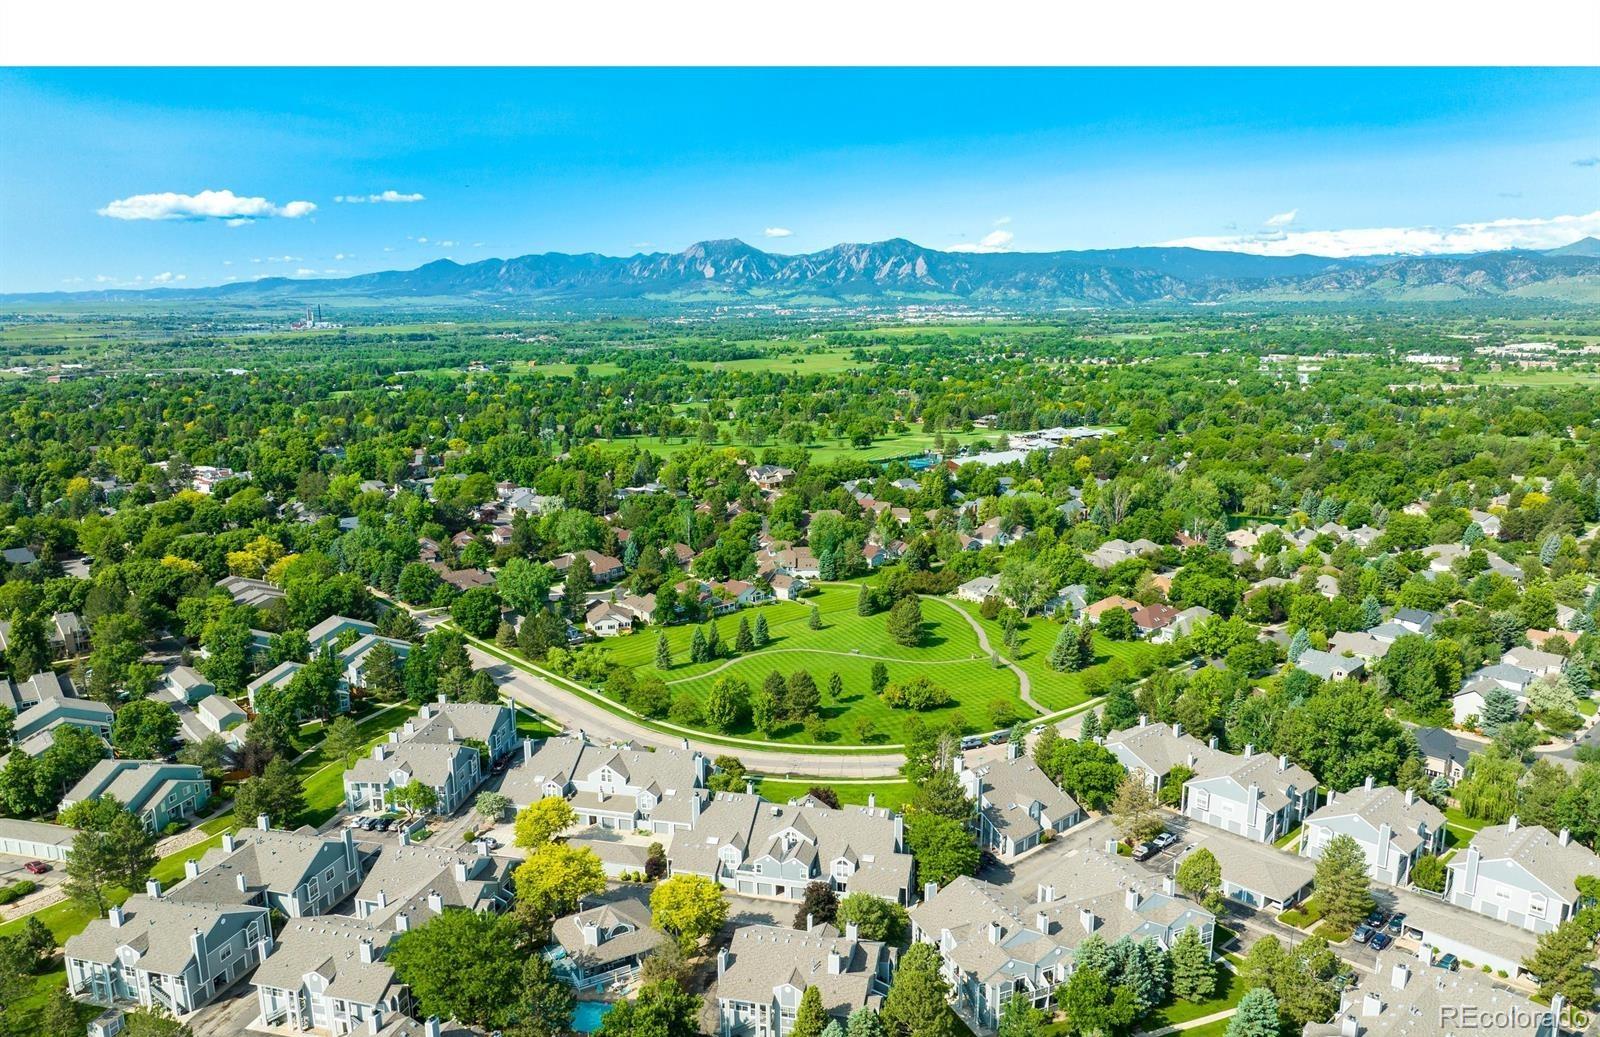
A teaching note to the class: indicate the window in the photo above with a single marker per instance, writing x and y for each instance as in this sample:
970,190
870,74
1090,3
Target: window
1202,799
1538,903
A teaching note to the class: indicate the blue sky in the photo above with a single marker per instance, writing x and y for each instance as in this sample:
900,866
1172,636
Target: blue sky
102,172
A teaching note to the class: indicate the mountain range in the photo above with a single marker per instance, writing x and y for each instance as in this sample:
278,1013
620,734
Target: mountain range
731,272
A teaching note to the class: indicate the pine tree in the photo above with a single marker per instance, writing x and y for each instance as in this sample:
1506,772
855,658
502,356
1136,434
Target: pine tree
713,641
865,605
1194,977
759,636
1064,653
1091,727
697,646
810,1019
814,620
835,687
880,678
864,1022
742,641
1257,1015
1342,884
1371,612
663,652
1299,644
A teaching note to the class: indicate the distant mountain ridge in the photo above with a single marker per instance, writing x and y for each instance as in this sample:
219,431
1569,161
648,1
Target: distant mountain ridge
733,272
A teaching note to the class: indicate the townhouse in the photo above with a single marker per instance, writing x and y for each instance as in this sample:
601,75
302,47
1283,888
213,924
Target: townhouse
603,943
1393,829
64,633
45,702
1520,874
156,952
624,789
245,591
158,793
1155,749
1257,795
1016,804
409,884
764,971
1403,997
296,874
604,568
327,975
1258,875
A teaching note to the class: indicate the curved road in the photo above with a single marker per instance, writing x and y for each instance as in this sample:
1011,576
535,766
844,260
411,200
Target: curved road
983,642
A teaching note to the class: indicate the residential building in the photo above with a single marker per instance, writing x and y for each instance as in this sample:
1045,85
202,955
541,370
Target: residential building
765,970
1155,749
331,629
296,874
1443,754
158,793
604,568
156,952
625,789
978,588
769,476
1017,804
46,701
1521,874
1327,666
603,943
327,976
1358,644
1258,875
188,685
604,619
1152,618
1093,612
1393,829
219,713
409,884
448,723
245,591
1402,997
1116,551
1183,624
1536,662
1258,796
452,770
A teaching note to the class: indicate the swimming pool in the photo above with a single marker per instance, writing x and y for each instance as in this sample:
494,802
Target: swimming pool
587,1015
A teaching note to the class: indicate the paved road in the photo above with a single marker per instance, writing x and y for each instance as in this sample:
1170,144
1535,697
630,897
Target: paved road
1026,691
576,713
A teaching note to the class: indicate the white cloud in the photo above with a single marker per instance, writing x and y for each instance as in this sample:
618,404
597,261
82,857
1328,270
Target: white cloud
445,244
994,241
342,255
72,280
778,232
375,199
207,205
1283,219
1002,221
1488,236
304,272
167,277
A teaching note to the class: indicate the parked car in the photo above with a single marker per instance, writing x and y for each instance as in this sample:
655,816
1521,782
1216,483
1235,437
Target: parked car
1038,729
1380,940
491,842
999,738
500,765
36,867
1362,934
1164,840
971,742
1397,923
1377,918
1448,962
1145,851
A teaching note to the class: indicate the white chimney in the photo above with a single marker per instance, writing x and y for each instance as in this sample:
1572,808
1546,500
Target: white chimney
872,801
461,870
1368,783
116,917
1047,893
191,868
263,822
238,880
1249,749
1177,730
591,934
1564,837
811,921
431,1027
722,962
377,751
1348,1027
228,845
1087,919
1511,825
929,889
375,1021
1411,796
1130,899
1372,1004
1283,761
450,734
1144,718
1169,886
852,932
1041,922
366,952
435,903
994,932
1385,834
1399,975
402,922
1212,742
152,889
835,963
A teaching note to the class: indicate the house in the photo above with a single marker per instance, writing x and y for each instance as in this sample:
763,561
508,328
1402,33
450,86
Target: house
67,635
449,723
1113,552
354,660
602,944
1417,621
797,561
1327,666
158,793
1071,599
1393,829
1487,521
187,685
1258,875
1443,754
409,884
327,975
765,970
453,772
1478,685
330,630
18,556
46,701
1017,804
1540,664
994,942
1521,874
775,850
624,789
1403,997
1257,795
1358,644
1093,612
978,588
607,620
769,476
1183,624
156,952
277,677
1152,618
787,587
219,713
604,568
1155,749
296,874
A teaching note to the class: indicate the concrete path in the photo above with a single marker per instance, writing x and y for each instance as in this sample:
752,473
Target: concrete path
1026,685
1214,1017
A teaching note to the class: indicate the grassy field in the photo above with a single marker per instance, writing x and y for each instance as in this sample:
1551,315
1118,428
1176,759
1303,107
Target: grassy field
822,451
848,645
1543,378
888,793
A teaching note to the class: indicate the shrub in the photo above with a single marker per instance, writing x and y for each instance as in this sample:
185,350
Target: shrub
17,890
919,693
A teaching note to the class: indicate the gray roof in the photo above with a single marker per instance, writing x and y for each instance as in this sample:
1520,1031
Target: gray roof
1157,748
268,859
1380,805
1326,665
622,922
1538,851
330,946
130,781
1438,744
404,876
219,708
1421,1001
156,928
1258,867
1011,787
428,763
764,957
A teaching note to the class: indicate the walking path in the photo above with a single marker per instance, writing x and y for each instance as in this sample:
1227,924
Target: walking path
827,651
1026,691
1190,1024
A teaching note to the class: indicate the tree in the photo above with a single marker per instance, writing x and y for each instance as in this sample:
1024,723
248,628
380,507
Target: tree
1066,655
866,602
1562,957
542,820
477,611
809,1019
942,847
1200,876
660,1009
728,775
1121,711
554,880
874,917
905,622
414,797
1093,1008
699,651
1499,709
801,697
880,678
211,754
580,578
663,652
917,1004
524,586
153,1022
759,636
343,741
383,678
27,647
491,806
1342,885
1428,873
276,793
1488,791
864,1022
1256,1016
1087,772
814,619
818,906
835,687
461,964
689,907
544,1003
1299,644
742,640
1194,977
1117,625
60,1015
1135,811
143,729
1020,1019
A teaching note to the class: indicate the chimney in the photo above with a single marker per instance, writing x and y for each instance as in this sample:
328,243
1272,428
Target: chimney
435,902
1177,730
1047,893
263,822
405,837
994,932
191,868
1130,899
228,844
1372,1004
377,751
1469,876
1013,750
383,899
402,922
929,889
1144,718
197,944
375,1021
722,962
1252,800
591,934
1283,761
1385,833
1191,760
1399,975
238,880
431,1027
527,750
852,932
835,963
152,889
460,869
1564,837
1411,796
1368,783
1087,919
1212,742
116,917
366,952
1041,922
349,837
1111,847
444,699
411,728
1249,749
811,921
450,734
1511,825
1169,886
1348,1026
749,787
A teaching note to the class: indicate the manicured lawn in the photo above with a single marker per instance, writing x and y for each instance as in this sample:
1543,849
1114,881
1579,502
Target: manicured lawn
1216,1029
322,779
1229,990
1288,840
849,645
1054,690
889,793
1587,707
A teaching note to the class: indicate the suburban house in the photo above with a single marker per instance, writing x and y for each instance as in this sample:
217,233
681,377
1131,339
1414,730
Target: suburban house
978,588
625,789
1478,685
1359,644
1393,829
787,586
603,943
1152,618
1258,796
156,952
775,850
765,970
1183,624
45,702
1071,599
327,975
1258,875
1113,552
603,619
769,476
1540,664
353,661
604,568
1155,749
331,629
409,884
158,793
1016,804
1093,612
294,873
245,591
186,684
1443,754
1521,874
219,713
1327,666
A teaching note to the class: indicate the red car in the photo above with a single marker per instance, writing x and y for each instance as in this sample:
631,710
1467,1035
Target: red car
36,867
